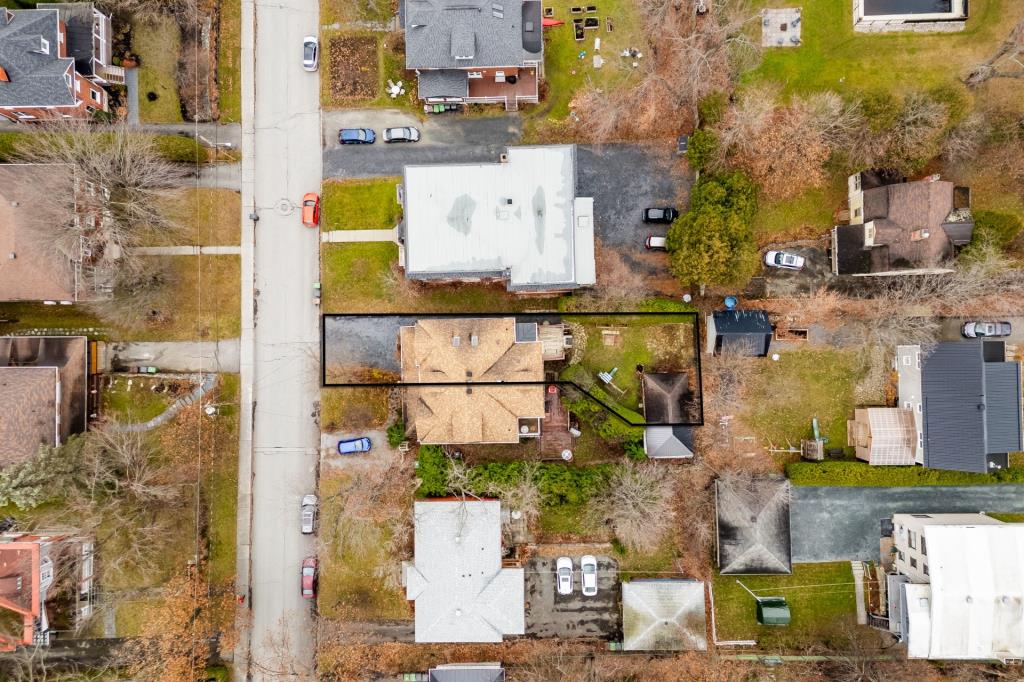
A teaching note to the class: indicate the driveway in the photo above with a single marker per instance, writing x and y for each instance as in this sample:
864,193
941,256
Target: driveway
950,330
624,179
360,342
843,523
780,282
443,139
549,614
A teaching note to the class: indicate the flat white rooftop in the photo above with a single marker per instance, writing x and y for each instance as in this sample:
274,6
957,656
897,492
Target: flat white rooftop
518,220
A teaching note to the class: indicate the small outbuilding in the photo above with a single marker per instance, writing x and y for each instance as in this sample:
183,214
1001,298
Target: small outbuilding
752,519
667,397
739,332
663,615
668,442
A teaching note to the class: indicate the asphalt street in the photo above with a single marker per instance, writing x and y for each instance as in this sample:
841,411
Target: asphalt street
843,523
280,346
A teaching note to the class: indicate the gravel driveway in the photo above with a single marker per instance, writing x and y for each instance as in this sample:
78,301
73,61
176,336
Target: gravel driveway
842,523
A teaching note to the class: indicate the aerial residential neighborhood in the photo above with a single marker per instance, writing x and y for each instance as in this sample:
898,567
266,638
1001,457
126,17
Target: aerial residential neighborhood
517,340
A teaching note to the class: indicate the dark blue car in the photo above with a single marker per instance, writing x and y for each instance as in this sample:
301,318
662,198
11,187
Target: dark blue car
349,447
356,136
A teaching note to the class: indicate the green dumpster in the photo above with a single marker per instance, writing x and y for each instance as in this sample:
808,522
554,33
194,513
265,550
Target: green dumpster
772,611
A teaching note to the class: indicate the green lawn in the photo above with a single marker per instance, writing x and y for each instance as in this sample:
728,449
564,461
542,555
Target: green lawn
206,216
857,473
342,11
157,42
787,394
221,484
358,277
229,58
19,317
352,556
137,403
361,204
821,600
834,57
1007,517
565,72
805,216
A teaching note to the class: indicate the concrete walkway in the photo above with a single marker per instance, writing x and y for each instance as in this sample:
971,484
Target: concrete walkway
858,587
170,356
131,81
206,384
334,236
186,250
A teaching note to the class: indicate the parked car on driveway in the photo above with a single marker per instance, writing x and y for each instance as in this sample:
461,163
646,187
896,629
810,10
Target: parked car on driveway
311,209
401,135
563,574
660,215
309,577
348,447
655,243
310,53
985,330
356,136
588,571
781,259
308,513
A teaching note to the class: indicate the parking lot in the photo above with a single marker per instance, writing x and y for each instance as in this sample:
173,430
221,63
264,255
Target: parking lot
549,614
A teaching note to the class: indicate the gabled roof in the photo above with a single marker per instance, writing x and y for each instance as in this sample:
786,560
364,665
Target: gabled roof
971,405
35,77
78,19
663,615
461,591
665,442
744,332
459,34
753,526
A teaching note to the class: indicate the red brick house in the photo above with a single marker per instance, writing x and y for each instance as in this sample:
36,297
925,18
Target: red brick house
31,565
55,61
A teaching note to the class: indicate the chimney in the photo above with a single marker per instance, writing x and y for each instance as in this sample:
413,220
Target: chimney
919,235
6,17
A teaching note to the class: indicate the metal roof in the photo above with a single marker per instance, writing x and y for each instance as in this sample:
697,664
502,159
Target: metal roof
519,218
461,591
959,390
745,332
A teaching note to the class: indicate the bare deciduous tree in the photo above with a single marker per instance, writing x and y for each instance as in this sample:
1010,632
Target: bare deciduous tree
962,143
1004,63
638,504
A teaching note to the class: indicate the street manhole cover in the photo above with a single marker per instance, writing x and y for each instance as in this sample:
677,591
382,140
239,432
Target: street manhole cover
285,206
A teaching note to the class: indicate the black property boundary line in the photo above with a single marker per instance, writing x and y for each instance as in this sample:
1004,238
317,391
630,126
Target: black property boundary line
693,317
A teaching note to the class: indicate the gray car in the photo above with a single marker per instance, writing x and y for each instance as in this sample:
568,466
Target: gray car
308,513
310,53
401,135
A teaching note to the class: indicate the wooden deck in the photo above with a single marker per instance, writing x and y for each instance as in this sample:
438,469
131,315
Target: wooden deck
487,89
552,341
554,430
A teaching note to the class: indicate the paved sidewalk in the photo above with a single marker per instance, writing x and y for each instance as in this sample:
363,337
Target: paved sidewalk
171,356
131,81
858,586
360,235
186,250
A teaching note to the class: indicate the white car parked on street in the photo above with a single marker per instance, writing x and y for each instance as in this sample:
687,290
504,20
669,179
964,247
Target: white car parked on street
308,513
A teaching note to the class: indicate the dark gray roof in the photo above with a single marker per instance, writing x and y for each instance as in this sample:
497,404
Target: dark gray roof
746,332
753,526
667,397
467,672
35,78
443,83
849,255
972,406
78,18
485,32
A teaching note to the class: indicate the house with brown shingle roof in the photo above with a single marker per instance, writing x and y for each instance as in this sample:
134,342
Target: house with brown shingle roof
461,364
898,227
43,383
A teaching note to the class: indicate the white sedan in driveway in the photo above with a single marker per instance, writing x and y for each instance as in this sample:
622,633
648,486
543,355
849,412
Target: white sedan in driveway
781,259
563,574
588,569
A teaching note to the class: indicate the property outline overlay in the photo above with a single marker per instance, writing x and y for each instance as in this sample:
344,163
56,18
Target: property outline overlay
692,316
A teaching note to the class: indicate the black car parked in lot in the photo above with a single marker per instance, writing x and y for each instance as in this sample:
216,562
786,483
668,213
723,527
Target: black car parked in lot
660,215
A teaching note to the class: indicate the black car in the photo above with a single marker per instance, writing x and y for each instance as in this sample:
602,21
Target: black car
660,215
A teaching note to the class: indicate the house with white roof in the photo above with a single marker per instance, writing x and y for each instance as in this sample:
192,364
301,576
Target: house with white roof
958,587
517,221
462,591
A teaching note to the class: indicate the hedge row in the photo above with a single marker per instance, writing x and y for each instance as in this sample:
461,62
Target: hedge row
850,473
558,484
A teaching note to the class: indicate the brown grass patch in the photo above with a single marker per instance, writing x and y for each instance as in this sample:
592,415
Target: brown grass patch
354,67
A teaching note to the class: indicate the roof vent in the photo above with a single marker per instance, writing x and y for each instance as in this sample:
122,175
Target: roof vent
474,340
12,255
498,11
456,341
919,235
